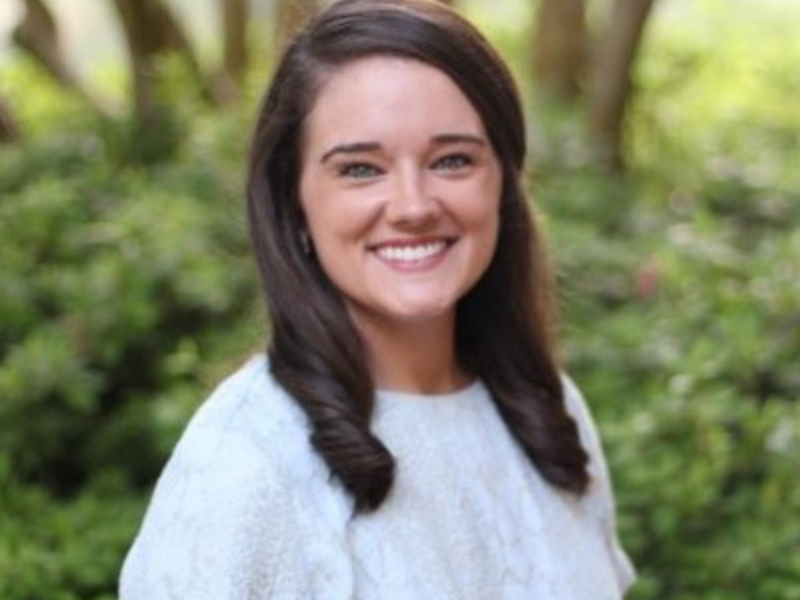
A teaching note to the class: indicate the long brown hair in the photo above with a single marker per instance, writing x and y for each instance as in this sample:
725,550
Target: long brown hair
504,329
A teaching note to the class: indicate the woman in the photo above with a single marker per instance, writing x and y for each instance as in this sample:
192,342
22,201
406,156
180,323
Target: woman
408,434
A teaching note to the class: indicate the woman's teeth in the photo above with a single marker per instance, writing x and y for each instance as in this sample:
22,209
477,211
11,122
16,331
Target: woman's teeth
410,253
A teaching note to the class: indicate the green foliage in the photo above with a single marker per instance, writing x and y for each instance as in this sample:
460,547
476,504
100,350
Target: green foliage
106,267
682,310
63,550
125,274
127,290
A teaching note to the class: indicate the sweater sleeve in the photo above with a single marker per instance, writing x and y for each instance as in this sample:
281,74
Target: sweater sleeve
601,495
231,518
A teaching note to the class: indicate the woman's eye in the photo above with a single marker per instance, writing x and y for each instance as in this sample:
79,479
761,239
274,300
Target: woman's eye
359,171
453,162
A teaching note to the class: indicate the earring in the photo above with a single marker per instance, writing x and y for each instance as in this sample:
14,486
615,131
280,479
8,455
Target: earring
305,242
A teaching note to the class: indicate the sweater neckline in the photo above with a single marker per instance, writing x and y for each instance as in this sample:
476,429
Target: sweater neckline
459,395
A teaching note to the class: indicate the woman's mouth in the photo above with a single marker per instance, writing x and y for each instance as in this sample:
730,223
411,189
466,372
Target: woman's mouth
412,253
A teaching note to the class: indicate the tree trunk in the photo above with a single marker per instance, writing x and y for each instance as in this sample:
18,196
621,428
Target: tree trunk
228,81
152,30
560,47
234,19
611,82
37,34
290,17
9,128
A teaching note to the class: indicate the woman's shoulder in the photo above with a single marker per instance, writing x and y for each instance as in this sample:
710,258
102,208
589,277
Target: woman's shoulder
600,499
248,405
236,493
579,410
250,391
248,425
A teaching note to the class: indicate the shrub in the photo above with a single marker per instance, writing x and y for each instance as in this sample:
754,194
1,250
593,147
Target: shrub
682,321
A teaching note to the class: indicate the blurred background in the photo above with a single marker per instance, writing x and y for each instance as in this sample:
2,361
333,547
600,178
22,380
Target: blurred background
665,162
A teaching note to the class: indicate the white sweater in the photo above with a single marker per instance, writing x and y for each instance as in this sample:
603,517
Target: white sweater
246,509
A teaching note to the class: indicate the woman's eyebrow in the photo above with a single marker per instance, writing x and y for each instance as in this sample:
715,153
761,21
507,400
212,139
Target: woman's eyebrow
459,138
442,138
352,148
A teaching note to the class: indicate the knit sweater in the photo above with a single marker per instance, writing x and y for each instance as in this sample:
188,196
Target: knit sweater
247,509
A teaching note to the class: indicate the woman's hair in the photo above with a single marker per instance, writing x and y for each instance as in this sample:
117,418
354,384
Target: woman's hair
504,324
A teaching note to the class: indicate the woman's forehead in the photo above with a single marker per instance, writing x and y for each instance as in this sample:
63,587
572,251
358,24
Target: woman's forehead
388,99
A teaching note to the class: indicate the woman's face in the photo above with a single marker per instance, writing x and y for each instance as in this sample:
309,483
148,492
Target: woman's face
400,187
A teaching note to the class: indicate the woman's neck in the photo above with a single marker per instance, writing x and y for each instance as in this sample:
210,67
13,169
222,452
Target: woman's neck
414,358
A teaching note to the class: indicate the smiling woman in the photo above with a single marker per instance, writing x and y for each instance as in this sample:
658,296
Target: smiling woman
410,355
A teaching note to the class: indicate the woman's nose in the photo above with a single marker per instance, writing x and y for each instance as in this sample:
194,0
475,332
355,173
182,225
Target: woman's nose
412,203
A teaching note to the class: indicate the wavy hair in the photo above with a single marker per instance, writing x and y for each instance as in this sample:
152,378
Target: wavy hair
504,325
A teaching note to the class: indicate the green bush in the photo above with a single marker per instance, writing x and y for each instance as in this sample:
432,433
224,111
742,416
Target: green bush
682,312
64,550
686,339
126,290
106,268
